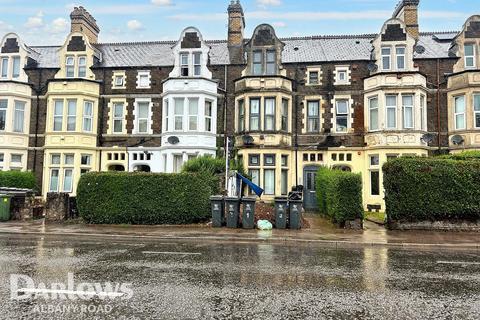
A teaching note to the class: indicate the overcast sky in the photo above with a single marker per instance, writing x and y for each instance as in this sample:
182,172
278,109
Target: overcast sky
45,22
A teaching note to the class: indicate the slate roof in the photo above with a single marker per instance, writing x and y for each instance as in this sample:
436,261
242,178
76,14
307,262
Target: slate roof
298,49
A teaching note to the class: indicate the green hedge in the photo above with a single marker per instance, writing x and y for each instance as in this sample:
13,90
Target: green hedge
144,198
17,179
467,155
339,195
432,189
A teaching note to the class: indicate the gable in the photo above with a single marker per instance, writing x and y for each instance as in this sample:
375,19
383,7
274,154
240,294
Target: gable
11,46
394,32
191,41
76,44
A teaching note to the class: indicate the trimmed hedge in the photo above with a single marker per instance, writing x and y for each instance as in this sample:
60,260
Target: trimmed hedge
17,179
339,195
144,198
466,155
432,189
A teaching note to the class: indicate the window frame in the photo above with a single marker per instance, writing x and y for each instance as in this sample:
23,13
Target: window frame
57,116
473,56
209,116
50,189
269,116
22,111
255,178
384,56
271,156
408,107
122,82
87,118
252,156
69,67
284,115
342,115
144,74
73,116
116,118
423,112
476,111
403,56
395,112
284,182
241,115
370,109
270,64
16,68
82,66
256,115
197,66
70,190
256,63
138,119
315,118
4,110
178,115
456,114
266,191
193,115
184,66
310,77
5,61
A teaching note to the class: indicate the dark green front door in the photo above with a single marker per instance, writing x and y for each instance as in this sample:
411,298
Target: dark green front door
309,191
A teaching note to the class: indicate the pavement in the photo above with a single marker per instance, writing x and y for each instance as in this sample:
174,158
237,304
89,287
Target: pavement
320,231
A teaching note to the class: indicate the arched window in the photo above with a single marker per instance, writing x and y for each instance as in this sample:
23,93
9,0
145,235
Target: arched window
141,168
116,167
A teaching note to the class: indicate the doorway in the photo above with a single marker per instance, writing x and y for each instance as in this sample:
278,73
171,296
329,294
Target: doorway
309,188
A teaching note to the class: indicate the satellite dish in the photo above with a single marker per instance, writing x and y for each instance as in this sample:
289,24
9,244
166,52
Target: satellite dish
173,140
419,49
457,140
247,140
427,138
372,67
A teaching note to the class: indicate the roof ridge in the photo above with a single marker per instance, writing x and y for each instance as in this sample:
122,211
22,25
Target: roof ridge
137,42
437,32
341,36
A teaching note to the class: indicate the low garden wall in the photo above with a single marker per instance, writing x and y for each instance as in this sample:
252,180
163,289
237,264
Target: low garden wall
144,198
433,193
339,196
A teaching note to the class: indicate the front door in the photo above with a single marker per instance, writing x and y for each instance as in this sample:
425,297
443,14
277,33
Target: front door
309,191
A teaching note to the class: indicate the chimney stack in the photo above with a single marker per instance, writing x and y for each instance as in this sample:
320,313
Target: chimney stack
82,21
407,11
236,27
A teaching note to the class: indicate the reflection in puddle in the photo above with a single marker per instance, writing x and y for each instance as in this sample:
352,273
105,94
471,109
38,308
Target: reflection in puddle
375,272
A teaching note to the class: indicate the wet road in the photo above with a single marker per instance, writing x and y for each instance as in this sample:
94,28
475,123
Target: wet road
171,280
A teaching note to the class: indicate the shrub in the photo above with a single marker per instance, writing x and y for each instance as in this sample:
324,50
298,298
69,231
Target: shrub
17,179
339,195
432,189
143,198
466,155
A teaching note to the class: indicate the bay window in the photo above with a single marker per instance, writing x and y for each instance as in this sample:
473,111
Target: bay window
313,120
476,110
423,113
166,112
71,115
269,181
87,116
254,114
400,53
255,175
67,180
408,111
208,115
391,111
178,117
341,115
16,67
469,55
386,58
459,112
192,114
3,114
142,117
269,114
54,173
58,115
373,113
118,117
19,117
284,115
241,115
70,67
177,163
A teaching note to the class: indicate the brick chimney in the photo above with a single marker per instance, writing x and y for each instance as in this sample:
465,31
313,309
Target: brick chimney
236,27
82,21
407,11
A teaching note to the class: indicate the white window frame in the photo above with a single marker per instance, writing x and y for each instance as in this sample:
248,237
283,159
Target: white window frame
403,56
184,66
50,189
257,63
476,110
70,67
389,56
342,115
408,107
241,115
87,117
16,68
370,99
166,113
140,76
4,109
474,48
209,116
64,179
423,112
19,106
456,114
58,116
117,118
82,66
120,83
71,116
4,66
89,160
179,115
255,115
387,108
138,119
313,118
310,77
269,191
197,67
284,115
193,115
270,115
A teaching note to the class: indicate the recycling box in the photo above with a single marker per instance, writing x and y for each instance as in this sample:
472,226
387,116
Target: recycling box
248,215
218,211
232,211
281,212
5,207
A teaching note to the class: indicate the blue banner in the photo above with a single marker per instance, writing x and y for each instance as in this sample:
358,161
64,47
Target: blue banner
258,191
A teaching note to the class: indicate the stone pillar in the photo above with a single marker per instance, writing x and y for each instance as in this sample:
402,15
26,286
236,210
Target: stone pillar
57,207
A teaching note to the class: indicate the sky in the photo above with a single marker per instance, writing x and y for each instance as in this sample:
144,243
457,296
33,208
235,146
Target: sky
47,22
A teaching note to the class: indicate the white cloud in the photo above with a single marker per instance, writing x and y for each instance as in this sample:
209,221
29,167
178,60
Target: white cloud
59,25
162,3
4,27
35,21
265,3
134,25
279,24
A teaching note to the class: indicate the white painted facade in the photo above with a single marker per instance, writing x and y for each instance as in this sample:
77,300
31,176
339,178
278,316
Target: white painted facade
189,115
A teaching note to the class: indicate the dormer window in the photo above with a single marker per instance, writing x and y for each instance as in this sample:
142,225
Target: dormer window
16,67
70,67
271,62
400,52
469,55
4,67
82,67
257,63
184,64
264,62
386,58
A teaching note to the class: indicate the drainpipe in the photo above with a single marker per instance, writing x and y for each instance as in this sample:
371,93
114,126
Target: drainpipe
37,93
438,107
100,122
225,135
295,100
